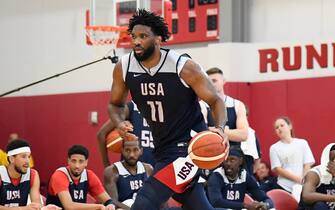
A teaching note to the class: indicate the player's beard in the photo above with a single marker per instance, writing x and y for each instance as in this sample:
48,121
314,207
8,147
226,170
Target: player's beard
146,53
19,170
76,174
131,162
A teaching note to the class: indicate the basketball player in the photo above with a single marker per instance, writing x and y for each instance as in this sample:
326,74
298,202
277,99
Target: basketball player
3,159
124,178
69,186
18,181
318,192
228,185
237,124
141,129
165,86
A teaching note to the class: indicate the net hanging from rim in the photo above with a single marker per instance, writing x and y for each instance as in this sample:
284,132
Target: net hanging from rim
106,35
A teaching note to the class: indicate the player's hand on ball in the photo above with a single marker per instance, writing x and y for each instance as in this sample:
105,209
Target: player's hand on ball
125,128
223,133
220,130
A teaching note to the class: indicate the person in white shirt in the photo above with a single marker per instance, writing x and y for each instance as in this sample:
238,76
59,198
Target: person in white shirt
290,157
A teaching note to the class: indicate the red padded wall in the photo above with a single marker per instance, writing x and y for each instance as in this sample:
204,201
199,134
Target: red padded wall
54,122
309,103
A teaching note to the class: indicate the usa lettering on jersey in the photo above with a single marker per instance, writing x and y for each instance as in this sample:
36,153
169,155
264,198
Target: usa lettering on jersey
78,194
136,184
152,89
185,170
233,195
13,194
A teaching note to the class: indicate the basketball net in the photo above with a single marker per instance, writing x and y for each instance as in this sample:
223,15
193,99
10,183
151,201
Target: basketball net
105,35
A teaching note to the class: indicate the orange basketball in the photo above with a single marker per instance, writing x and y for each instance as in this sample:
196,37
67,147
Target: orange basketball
208,150
114,141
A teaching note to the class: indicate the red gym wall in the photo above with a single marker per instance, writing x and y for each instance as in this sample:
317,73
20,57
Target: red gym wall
309,103
52,123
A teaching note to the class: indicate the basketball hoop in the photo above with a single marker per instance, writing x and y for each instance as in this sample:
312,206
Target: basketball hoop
106,35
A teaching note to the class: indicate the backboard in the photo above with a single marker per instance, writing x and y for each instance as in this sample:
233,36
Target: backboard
118,13
189,21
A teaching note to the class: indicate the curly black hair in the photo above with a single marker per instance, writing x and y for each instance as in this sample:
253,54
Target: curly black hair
155,22
78,150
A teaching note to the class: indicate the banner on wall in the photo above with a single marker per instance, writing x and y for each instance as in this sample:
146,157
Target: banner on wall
254,62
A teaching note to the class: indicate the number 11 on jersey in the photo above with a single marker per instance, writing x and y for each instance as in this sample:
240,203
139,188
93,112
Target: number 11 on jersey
156,107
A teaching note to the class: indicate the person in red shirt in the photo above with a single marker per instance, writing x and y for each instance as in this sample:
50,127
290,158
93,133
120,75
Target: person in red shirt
70,185
18,182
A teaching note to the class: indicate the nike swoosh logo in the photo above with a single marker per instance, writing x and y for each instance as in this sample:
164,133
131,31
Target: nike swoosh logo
136,75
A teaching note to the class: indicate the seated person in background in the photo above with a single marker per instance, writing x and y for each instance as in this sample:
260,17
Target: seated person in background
290,157
69,186
228,185
3,158
18,182
3,154
265,180
318,192
124,178
141,129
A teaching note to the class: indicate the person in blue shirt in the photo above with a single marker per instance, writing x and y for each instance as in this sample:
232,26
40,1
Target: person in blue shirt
228,185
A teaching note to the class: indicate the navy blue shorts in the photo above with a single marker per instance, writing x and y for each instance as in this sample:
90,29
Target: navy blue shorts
154,193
